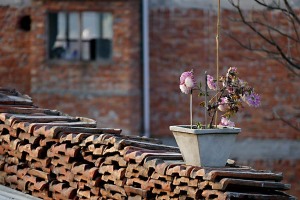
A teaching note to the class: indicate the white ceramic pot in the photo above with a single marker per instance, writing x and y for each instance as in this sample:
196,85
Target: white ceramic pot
205,147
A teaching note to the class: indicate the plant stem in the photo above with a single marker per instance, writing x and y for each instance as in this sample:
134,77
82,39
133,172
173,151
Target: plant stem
217,56
191,108
205,112
212,118
215,109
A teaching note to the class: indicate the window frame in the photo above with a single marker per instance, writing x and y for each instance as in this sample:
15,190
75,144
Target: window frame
80,40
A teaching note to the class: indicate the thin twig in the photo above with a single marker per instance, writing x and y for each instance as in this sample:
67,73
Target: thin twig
285,121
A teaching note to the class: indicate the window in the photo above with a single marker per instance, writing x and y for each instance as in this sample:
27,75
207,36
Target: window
85,36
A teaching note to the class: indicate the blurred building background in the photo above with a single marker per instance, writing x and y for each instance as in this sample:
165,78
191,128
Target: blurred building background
89,58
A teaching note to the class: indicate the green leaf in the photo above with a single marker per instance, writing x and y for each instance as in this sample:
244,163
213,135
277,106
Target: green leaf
202,104
199,125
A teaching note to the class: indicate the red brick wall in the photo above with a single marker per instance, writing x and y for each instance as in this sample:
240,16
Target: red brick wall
109,93
184,39
14,50
179,40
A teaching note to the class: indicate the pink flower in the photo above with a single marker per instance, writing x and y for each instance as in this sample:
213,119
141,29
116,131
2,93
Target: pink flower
211,83
187,82
226,122
223,106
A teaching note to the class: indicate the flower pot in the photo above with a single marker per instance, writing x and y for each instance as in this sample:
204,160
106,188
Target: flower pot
205,147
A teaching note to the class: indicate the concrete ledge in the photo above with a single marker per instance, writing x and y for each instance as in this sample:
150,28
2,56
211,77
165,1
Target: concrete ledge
255,149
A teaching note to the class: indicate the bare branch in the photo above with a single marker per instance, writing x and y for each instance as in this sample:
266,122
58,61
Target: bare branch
295,29
270,7
278,117
276,30
278,51
291,11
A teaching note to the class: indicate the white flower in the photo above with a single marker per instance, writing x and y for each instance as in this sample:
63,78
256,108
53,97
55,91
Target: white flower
184,89
189,82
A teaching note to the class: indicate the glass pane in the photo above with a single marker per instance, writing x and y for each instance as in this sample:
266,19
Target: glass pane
62,16
104,48
104,44
91,25
107,23
52,23
74,32
56,42
72,51
86,51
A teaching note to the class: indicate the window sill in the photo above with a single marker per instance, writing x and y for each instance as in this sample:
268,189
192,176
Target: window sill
79,63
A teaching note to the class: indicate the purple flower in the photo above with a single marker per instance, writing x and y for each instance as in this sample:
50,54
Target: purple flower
223,105
253,100
211,83
226,122
187,82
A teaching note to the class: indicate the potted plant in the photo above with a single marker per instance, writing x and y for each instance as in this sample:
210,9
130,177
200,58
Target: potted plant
210,144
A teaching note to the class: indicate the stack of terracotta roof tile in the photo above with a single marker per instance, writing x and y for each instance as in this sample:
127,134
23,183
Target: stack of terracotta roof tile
55,156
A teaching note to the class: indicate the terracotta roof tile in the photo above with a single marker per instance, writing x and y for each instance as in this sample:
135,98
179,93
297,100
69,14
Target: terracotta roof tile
55,156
